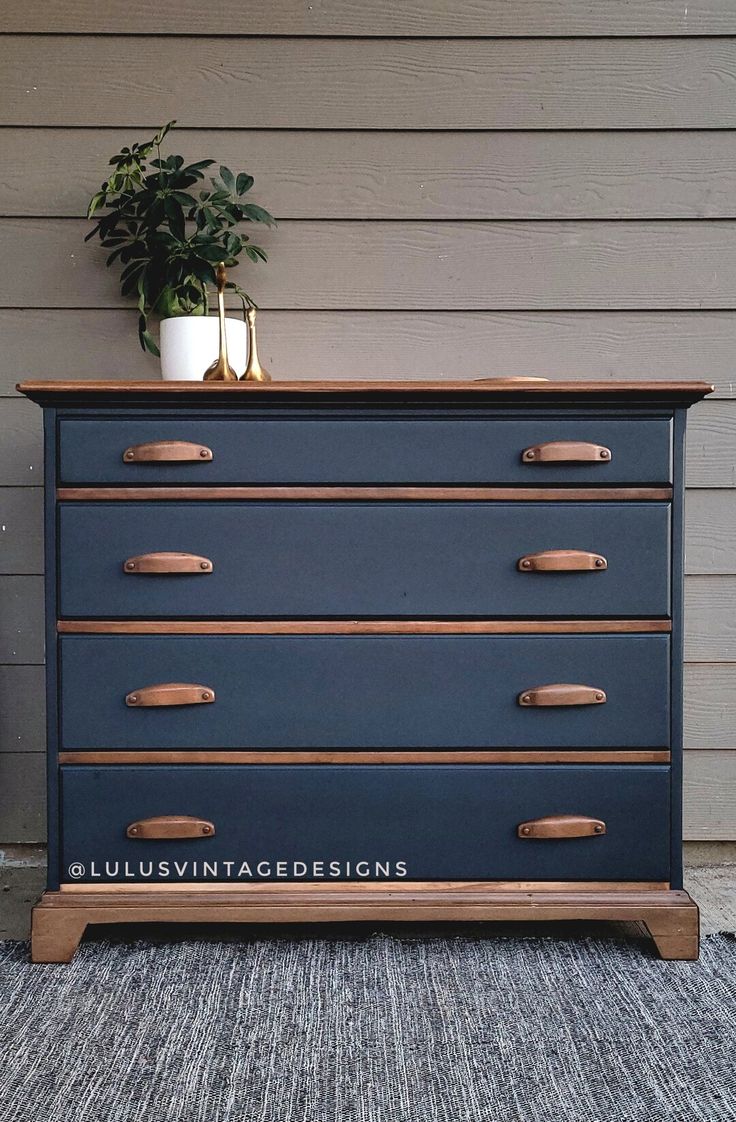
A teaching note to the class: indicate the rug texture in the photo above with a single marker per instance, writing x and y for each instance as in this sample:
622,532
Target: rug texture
386,1027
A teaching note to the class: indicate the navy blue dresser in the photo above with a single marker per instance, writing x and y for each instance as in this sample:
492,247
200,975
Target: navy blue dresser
364,651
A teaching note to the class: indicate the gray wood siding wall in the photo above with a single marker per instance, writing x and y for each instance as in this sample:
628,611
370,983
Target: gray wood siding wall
466,186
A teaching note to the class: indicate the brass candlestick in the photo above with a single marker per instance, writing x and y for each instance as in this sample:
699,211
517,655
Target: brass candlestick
221,370
254,372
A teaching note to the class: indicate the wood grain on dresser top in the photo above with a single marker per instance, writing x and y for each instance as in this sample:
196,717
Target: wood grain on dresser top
49,391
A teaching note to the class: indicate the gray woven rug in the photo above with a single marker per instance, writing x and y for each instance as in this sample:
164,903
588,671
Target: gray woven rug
397,1026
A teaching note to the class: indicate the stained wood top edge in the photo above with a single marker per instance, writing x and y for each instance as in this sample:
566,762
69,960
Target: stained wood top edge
50,389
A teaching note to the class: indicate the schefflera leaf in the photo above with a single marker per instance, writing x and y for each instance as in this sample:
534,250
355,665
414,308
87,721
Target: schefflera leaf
168,240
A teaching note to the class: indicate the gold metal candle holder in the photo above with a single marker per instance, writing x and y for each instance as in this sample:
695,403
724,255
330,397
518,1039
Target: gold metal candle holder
254,372
221,370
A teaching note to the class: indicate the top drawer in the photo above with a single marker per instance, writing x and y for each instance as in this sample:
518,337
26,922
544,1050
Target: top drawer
323,449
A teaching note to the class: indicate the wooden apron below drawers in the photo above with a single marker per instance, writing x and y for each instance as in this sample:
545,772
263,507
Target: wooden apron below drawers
355,822
362,691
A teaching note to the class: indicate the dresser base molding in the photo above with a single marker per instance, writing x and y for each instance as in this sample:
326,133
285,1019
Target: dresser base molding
60,918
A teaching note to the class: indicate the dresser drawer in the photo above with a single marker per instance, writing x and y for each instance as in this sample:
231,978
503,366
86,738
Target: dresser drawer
360,822
325,448
362,691
410,559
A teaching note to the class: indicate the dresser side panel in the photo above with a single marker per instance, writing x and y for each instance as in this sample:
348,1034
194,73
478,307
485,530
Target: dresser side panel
677,645
51,654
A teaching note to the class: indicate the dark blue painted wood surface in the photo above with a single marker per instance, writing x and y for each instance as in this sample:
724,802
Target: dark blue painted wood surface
51,614
678,607
405,559
441,822
318,448
410,691
365,691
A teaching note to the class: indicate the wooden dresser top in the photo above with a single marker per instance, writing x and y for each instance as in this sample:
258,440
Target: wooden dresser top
50,392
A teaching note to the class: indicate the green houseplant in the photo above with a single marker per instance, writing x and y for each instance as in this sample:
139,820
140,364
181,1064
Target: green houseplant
168,224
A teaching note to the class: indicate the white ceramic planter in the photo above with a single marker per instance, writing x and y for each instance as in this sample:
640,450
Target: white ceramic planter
189,344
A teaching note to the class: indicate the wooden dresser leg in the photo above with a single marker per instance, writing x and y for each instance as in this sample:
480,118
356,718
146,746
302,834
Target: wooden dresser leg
676,932
56,933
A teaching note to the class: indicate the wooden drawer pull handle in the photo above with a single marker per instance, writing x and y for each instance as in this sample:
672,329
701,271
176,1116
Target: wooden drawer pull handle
566,452
562,561
170,693
161,451
562,826
171,826
562,693
168,563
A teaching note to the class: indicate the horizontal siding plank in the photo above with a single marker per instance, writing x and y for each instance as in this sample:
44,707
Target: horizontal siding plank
21,447
382,17
22,709
409,175
416,265
710,530
710,705
22,797
710,619
211,82
21,621
710,533
711,446
21,530
709,796
567,345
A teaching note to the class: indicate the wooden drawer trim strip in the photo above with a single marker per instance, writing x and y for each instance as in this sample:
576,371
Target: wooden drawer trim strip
195,756
366,494
420,893
360,627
